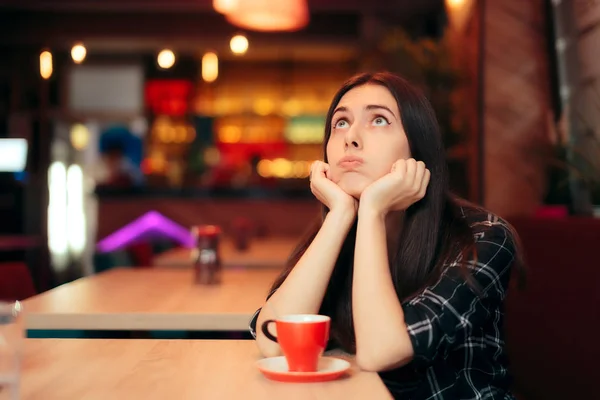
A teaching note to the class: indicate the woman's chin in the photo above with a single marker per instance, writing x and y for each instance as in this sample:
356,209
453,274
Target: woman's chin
354,189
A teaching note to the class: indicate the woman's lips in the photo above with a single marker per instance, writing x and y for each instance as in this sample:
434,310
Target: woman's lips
350,162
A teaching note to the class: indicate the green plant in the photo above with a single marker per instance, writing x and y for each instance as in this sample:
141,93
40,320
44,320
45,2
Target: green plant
574,161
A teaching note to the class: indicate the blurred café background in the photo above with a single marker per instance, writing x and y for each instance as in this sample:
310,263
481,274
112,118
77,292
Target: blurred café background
125,123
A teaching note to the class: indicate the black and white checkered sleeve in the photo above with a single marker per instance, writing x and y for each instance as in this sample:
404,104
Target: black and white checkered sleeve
448,311
254,318
252,325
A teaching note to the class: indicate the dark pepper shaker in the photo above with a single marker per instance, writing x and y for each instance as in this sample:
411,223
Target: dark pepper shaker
207,262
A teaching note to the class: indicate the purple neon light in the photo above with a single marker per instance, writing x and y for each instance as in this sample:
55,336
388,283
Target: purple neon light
150,224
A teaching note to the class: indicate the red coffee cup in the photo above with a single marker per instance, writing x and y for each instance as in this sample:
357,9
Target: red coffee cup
302,338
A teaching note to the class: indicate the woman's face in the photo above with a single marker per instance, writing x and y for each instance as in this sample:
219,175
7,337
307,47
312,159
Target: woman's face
367,137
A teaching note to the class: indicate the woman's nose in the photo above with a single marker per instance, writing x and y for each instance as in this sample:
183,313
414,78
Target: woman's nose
352,139
353,143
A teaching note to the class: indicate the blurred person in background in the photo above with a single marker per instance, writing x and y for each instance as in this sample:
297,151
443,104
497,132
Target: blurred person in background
120,156
117,169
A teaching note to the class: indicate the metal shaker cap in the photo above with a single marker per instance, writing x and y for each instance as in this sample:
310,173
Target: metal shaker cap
9,312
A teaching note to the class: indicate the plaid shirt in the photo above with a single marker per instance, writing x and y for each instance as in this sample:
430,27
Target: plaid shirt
457,333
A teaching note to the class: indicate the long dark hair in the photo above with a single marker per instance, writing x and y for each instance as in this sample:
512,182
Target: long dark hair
433,231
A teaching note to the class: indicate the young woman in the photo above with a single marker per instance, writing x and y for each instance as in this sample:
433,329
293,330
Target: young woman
412,277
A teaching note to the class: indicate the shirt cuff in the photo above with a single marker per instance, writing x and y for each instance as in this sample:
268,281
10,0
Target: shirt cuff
421,332
252,325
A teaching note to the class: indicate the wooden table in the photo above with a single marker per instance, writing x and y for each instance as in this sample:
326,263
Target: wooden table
151,299
169,369
268,253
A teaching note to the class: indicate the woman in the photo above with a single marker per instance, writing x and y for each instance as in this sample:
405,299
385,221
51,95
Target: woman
413,278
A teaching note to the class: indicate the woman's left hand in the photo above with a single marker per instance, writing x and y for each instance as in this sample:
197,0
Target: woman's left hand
403,186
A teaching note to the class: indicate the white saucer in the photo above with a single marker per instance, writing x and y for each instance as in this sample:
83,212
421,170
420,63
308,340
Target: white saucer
329,368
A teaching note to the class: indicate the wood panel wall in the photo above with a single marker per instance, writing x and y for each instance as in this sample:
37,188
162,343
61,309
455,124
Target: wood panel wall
516,104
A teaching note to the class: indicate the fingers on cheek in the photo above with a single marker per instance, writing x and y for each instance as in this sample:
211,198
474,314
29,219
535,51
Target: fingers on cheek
408,172
424,183
401,165
418,178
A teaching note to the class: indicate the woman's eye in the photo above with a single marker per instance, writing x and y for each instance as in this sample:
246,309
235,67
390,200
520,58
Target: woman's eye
380,121
342,123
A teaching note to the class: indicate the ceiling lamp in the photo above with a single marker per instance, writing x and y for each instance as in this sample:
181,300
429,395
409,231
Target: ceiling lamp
46,64
210,66
239,44
269,15
453,3
78,53
165,59
224,6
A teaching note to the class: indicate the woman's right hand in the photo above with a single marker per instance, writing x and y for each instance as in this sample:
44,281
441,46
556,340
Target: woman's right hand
328,192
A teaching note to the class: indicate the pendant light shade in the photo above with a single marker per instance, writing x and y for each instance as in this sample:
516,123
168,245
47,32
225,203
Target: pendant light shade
269,15
224,6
